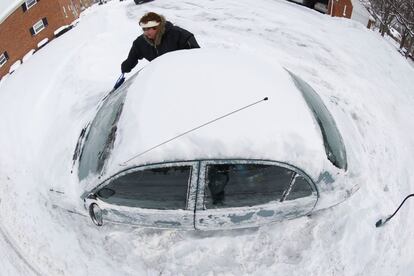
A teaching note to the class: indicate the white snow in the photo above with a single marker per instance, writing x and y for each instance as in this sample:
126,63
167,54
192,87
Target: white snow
4,78
58,30
190,95
7,7
28,55
42,43
363,81
14,66
360,13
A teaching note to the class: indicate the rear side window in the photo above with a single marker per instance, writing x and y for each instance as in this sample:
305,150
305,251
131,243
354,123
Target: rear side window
240,185
157,188
299,188
333,143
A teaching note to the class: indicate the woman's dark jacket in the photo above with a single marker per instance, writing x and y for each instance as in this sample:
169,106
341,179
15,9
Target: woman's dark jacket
169,38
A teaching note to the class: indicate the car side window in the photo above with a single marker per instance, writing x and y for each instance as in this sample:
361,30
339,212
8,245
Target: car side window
299,188
156,188
242,185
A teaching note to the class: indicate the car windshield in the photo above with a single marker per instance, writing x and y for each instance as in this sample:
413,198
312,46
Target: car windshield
101,135
332,139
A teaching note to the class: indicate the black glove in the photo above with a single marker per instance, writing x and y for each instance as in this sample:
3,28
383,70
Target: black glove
120,81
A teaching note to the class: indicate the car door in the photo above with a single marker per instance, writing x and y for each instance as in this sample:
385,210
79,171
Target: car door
160,196
246,193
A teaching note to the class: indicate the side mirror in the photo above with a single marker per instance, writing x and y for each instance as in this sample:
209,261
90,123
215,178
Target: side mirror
96,214
106,193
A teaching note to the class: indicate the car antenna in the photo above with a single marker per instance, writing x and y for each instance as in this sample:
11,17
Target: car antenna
193,129
383,221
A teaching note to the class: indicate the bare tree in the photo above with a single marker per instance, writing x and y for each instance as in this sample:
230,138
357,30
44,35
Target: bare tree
404,15
384,13
397,13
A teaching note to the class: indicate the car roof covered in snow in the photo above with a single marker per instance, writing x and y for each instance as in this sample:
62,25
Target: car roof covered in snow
182,90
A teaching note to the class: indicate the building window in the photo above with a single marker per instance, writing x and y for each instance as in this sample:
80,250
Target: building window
39,26
3,58
28,4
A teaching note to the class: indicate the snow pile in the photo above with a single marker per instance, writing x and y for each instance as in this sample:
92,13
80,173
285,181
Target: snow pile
7,7
364,82
28,55
360,13
42,43
61,30
14,66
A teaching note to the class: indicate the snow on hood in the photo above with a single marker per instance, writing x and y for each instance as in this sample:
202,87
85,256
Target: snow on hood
185,89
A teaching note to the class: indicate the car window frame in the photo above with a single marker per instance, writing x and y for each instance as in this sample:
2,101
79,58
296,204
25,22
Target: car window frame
202,213
143,217
203,168
195,192
191,186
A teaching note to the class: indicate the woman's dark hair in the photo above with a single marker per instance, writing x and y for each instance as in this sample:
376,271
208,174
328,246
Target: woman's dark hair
151,16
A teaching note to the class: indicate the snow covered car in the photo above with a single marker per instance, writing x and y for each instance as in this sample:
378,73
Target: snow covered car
319,5
210,139
139,2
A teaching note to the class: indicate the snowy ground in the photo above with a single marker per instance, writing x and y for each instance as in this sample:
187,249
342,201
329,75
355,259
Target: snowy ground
396,44
365,83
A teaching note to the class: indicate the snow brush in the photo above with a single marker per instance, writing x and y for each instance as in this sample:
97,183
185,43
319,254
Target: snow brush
119,81
383,221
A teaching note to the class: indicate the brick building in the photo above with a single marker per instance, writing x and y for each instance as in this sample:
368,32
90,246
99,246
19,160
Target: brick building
25,25
340,8
352,9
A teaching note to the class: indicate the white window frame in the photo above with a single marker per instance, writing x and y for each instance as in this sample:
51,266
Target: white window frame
30,3
38,27
3,60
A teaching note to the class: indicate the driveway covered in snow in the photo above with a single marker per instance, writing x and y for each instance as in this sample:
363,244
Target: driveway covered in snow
365,84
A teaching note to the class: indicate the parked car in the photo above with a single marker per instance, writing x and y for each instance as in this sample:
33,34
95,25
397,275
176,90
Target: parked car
138,2
209,139
319,5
